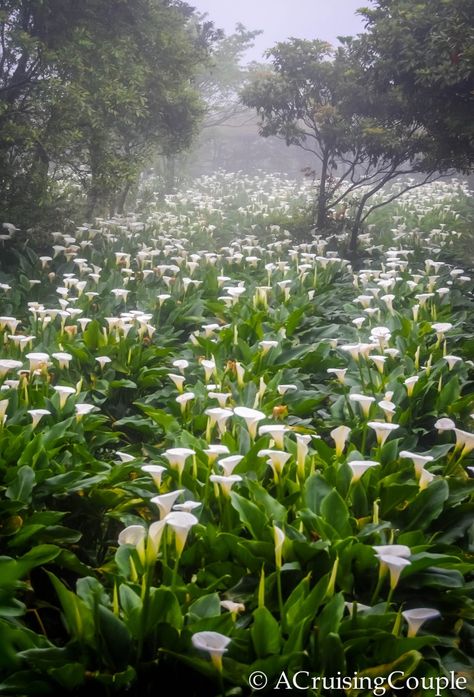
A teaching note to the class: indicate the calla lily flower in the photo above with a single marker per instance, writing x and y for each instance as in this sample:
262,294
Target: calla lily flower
181,364
417,617
394,550
441,328
340,436
276,459
177,457
181,523
103,360
3,408
83,409
283,389
419,461
132,535
63,359
183,399
251,417
220,416
464,440
452,360
445,424
359,467
395,565
410,384
365,402
209,369
165,502
359,607
178,381
214,450
388,409
64,392
379,362
38,361
214,643
279,538
266,345
7,364
37,415
276,431
426,477
382,430
222,397
340,374
228,464
156,472
125,457
187,506
232,607
226,482
302,442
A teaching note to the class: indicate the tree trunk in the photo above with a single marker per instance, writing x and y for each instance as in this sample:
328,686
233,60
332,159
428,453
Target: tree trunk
321,212
96,194
355,229
170,173
122,198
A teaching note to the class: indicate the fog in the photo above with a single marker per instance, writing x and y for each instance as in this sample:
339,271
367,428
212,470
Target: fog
235,144
280,19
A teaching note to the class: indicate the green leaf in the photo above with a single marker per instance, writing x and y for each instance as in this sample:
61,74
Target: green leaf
163,608
77,614
448,395
311,604
69,676
330,618
92,336
123,384
315,490
161,417
116,640
206,606
22,486
331,654
405,665
335,512
273,508
265,633
251,516
427,506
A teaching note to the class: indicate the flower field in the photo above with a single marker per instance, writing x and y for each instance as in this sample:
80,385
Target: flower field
223,451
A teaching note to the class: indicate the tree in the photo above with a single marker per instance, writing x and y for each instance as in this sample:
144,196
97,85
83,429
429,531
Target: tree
424,51
219,82
221,78
92,89
310,98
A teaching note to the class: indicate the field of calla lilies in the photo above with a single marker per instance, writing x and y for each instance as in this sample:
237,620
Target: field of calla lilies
229,458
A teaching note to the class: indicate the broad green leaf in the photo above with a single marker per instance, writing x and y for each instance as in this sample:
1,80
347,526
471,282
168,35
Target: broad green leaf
251,516
335,512
22,486
265,632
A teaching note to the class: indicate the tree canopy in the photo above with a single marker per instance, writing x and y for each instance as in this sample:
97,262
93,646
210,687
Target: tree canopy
311,98
423,51
92,88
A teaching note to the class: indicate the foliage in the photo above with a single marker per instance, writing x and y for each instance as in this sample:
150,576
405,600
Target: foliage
129,335
311,99
424,52
88,91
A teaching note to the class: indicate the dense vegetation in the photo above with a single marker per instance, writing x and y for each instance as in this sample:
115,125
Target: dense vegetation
204,432
236,426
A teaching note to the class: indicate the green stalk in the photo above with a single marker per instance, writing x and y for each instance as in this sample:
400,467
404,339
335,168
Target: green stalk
280,601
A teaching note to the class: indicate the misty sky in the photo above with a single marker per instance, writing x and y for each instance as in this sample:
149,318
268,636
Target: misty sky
279,19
